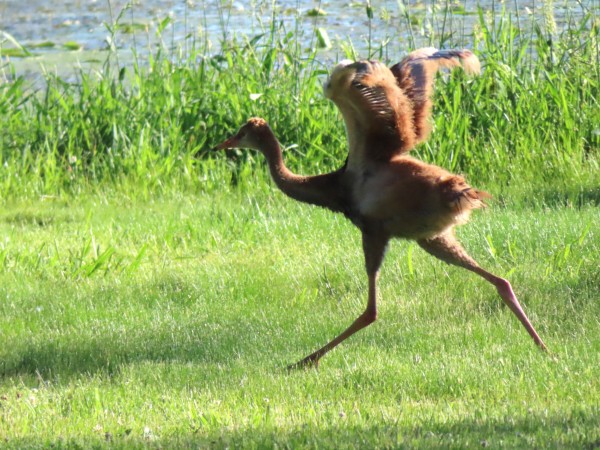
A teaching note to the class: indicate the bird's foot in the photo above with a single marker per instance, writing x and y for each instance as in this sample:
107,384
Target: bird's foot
542,346
306,363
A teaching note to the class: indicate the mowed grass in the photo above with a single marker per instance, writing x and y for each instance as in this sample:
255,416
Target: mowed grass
152,292
180,335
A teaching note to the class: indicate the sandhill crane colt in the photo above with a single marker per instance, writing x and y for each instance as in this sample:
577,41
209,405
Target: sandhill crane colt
382,190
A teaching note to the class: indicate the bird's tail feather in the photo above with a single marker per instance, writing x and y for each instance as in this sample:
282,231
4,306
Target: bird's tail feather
460,197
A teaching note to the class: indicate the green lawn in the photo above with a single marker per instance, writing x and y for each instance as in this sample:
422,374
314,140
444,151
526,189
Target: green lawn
167,323
152,292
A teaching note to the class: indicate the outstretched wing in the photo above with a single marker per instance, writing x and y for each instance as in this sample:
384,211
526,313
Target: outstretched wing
386,111
415,76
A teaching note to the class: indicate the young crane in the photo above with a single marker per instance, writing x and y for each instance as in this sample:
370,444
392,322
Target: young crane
383,191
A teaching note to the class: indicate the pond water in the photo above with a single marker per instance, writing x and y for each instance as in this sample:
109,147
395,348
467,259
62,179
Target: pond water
63,34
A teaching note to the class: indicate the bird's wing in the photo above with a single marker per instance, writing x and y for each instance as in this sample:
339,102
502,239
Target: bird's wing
415,77
386,110
376,111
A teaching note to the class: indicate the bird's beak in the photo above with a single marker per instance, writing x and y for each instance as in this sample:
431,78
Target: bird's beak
229,143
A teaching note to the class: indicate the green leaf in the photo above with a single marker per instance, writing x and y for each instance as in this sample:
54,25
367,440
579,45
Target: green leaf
13,41
323,38
72,45
369,10
163,24
316,12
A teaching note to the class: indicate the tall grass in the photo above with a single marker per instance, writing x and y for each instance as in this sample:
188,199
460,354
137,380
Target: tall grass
533,115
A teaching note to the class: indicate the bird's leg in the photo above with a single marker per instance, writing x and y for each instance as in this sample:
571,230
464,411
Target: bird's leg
448,249
374,250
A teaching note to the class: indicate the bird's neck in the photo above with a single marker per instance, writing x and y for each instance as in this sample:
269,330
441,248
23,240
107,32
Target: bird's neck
357,122
320,190
357,142
285,179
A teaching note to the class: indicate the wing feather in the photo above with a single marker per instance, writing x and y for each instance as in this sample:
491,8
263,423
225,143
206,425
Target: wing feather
415,77
387,110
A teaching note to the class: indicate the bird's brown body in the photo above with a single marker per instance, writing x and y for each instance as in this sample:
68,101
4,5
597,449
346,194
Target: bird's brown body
407,198
383,191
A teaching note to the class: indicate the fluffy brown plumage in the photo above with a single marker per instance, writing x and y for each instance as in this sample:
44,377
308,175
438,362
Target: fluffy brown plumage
391,106
382,190
415,76
386,112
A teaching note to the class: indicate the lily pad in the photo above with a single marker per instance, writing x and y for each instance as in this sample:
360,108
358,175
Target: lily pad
45,44
72,45
316,12
14,52
129,28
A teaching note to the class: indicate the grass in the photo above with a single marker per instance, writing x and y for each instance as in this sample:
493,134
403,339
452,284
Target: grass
185,345
152,291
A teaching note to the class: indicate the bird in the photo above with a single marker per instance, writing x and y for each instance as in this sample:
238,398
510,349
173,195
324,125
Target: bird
382,190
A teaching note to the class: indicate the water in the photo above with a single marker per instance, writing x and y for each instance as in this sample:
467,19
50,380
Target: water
86,23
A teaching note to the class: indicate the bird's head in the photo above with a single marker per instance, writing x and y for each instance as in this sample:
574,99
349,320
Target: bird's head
361,87
253,134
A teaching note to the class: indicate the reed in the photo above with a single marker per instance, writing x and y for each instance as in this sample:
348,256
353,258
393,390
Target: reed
532,117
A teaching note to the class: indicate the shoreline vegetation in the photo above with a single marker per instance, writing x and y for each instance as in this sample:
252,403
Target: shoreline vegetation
531,118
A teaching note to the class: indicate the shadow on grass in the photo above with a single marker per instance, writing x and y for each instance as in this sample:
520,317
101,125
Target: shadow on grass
567,429
105,341
59,360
